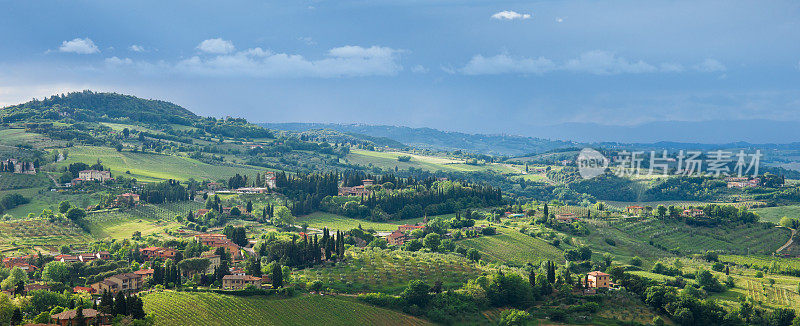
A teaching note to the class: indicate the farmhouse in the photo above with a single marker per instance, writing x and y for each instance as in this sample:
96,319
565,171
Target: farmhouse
216,260
13,165
252,190
238,282
599,280
367,182
94,175
91,317
201,212
693,212
79,289
219,241
397,238
67,258
566,217
86,258
742,182
127,199
164,253
406,228
634,210
354,191
104,255
145,273
270,180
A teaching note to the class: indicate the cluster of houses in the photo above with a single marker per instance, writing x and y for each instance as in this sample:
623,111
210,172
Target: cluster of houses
91,175
400,236
17,166
361,190
742,182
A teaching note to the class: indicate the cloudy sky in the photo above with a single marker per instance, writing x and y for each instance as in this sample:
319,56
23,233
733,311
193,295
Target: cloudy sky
476,66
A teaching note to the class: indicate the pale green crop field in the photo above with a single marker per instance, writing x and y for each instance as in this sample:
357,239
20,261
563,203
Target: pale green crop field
152,167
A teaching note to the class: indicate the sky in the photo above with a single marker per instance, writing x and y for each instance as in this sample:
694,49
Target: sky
473,66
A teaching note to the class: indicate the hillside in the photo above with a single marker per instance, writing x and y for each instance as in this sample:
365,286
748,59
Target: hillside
437,139
91,106
174,308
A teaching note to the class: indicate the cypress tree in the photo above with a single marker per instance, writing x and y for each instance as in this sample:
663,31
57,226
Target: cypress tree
277,275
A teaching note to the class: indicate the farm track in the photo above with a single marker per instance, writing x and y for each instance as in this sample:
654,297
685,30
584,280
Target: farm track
788,243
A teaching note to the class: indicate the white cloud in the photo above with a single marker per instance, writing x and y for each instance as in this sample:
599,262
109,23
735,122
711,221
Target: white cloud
607,63
419,69
504,64
345,61
136,48
559,20
307,40
510,15
593,62
710,65
216,46
114,61
79,45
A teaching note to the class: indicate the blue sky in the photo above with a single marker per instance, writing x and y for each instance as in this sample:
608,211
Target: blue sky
476,66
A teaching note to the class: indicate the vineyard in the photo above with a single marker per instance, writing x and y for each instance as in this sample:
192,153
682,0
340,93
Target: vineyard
10,181
367,270
513,248
772,294
762,262
670,235
774,214
677,203
176,308
40,232
146,218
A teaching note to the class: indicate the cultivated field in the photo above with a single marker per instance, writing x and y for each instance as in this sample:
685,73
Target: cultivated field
152,167
390,271
147,219
319,220
40,232
180,308
774,214
513,248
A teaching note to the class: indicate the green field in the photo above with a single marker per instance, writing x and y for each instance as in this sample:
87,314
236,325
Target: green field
10,181
388,161
377,270
319,220
513,248
153,167
147,219
671,235
176,308
774,214
40,232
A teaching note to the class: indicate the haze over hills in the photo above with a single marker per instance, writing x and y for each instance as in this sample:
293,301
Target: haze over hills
437,139
754,131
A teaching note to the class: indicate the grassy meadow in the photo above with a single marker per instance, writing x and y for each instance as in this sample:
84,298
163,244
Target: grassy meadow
318,220
511,247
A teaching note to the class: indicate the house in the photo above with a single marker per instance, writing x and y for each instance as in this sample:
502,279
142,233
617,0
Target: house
367,182
86,258
94,175
270,180
13,165
145,273
397,238
406,228
598,279
91,316
201,212
693,212
567,217
24,266
163,253
253,190
354,191
104,255
127,199
237,271
216,260
126,282
634,210
79,289
742,182
219,241
36,286
67,258
238,282
76,181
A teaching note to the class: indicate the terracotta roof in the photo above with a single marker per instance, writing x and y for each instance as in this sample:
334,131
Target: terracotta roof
70,314
144,271
598,273
241,277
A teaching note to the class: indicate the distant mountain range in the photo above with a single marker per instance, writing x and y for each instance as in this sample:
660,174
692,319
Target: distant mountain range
437,139
754,131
